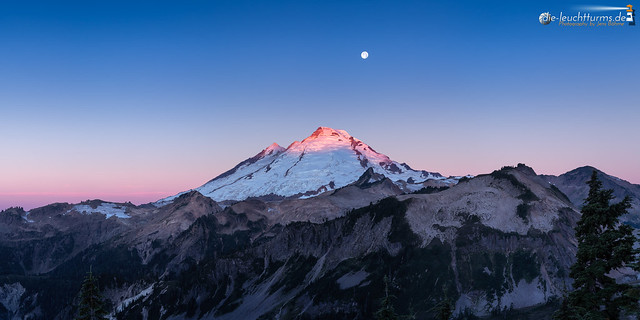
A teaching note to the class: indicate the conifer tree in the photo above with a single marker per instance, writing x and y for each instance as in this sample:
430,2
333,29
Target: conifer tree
386,311
566,311
444,308
604,245
91,305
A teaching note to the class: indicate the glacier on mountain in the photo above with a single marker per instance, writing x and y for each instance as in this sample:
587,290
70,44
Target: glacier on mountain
326,160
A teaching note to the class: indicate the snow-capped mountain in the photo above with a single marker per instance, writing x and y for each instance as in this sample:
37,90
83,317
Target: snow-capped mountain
328,159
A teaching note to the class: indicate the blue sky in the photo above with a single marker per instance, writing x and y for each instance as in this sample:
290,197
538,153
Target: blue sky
138,100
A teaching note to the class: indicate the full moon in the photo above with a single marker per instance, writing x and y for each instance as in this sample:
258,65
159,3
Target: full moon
364,54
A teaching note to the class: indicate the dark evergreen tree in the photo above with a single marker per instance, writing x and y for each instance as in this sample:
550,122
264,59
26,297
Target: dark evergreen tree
91,304
566,311
444,309
604,245
386,311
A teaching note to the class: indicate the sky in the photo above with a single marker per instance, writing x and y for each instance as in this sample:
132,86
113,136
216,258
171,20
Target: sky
138,100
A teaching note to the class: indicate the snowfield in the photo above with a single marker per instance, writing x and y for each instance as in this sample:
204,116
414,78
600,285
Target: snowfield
106,208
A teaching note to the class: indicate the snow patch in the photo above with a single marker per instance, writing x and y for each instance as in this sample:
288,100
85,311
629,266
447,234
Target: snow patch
352,279
26,217
524,294
125,303
106,208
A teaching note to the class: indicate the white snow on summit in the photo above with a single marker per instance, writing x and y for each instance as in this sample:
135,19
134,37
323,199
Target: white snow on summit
326,160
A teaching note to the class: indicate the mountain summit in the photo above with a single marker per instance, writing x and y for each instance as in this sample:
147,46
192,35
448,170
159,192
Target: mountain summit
328,159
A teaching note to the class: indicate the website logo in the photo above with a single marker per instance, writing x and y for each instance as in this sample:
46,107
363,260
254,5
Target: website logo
545,18
592,16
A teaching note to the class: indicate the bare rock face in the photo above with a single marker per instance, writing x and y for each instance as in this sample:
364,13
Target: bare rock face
10,295
492,222
42,239
507,200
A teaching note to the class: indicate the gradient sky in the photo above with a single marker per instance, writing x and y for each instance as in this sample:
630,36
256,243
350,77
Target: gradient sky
132,100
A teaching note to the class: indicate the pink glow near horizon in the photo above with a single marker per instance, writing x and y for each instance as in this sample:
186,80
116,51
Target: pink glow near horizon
147,175
30,200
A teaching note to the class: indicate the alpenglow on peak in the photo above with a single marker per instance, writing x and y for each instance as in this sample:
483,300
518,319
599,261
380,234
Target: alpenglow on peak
328,159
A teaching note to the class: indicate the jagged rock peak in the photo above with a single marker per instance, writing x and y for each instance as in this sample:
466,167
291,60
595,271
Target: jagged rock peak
369,177
525,169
